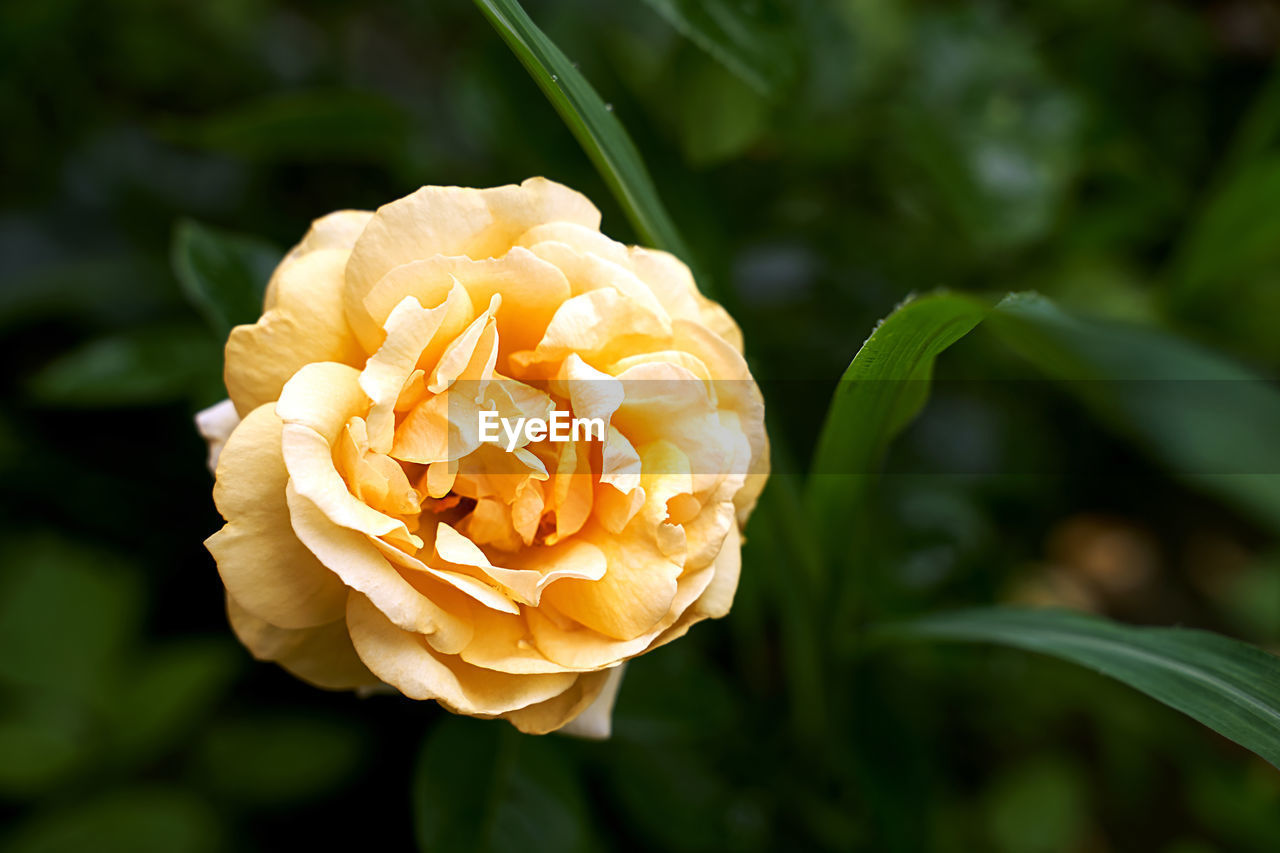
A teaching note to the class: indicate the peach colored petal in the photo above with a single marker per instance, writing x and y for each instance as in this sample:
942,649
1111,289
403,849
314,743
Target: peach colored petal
410,329
305,325
544,565
600,326
355,559
595,722
635,593
583,710
716,600
261,561
579,648
408,663
482,593
453,221
673,285
531,290
337,230
321,655
587,271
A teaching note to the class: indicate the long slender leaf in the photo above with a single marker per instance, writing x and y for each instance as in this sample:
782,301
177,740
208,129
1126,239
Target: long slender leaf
1210,421
883,389
1230,686
591,121
759,52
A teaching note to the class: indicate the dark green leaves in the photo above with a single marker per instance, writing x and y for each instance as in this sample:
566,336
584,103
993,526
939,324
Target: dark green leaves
1231,687
482,786
1210,421
224,275
141,366
592,122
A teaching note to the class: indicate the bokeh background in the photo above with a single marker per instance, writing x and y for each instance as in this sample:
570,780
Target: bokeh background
1118,155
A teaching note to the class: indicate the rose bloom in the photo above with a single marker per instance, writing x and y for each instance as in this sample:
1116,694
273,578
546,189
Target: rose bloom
371,538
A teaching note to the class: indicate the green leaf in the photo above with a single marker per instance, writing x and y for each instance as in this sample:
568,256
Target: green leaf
138,367
751,40
482,786
883,389
1230,686
1235,236
592,123
224,275
1209,420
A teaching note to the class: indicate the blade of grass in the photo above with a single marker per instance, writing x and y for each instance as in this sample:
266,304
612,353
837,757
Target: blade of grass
1229,686
592,122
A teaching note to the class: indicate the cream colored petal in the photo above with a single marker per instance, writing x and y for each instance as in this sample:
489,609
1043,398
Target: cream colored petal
595,722
305,325
407,662
580,238
337,230
261,561
309,459
716,600
316,406
737,391
409,330
579,648
502,642
664,402
354,558
476,589
673,285
215,425
587,271
537,568
323,396
583,710
635,593
531,290
453,221
600,326
321,655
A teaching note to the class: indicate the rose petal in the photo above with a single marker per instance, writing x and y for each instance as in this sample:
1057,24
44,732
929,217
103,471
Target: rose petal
408,663
261,561
321,655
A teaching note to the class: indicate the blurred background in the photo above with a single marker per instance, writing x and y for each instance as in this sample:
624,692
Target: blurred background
1120,156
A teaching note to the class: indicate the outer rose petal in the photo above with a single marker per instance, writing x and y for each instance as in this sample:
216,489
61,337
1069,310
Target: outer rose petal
596,721
407,662
337,230
583,710
215,425
305,325
264,566
322,655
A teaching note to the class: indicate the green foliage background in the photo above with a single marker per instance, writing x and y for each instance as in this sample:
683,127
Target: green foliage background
821,161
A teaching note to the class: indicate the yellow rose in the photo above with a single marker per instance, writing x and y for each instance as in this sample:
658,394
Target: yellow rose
373,536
